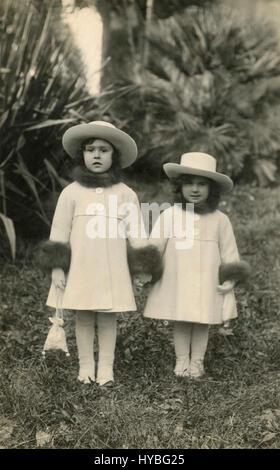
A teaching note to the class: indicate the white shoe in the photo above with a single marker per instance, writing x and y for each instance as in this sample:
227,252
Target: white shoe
182,368
85,380
86,375
105,374
196,368
105,380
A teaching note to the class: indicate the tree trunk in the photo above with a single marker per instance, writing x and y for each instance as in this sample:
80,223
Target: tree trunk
122,24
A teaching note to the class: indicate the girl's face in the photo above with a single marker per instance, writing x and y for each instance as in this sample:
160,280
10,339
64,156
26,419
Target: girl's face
98,156
196,189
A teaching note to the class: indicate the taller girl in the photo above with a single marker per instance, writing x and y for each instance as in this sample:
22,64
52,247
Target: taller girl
88,262
196,289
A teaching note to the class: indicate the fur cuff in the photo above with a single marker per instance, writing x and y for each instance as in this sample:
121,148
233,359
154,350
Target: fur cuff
51,255
145,260
238,272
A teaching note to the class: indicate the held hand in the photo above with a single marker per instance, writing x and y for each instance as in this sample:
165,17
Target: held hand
227,286
141,279
58,278
225,329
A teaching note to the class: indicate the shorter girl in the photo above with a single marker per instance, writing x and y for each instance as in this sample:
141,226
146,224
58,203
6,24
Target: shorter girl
196,288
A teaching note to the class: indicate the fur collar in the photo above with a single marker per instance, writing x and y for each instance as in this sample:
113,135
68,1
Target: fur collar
201,209
95,180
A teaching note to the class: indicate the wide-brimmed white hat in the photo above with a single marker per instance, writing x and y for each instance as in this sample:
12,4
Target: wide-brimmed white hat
199,164
75,135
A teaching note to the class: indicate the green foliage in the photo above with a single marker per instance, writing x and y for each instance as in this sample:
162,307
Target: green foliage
41,95
10,232
210,85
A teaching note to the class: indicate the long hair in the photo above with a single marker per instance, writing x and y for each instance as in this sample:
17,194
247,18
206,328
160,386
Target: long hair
213,198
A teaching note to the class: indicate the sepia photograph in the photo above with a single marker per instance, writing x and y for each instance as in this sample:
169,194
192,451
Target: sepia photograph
139,228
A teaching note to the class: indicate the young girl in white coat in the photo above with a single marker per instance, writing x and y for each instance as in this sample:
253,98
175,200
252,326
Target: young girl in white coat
200,266
87,251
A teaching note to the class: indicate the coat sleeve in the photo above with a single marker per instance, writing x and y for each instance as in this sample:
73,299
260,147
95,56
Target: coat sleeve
150,258
231,268
137,234
56,252
161,231
63,217
143,257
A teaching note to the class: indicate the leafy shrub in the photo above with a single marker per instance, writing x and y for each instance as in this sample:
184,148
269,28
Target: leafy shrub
211,84
42,93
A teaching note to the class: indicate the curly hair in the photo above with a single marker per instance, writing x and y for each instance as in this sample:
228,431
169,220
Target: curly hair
213,197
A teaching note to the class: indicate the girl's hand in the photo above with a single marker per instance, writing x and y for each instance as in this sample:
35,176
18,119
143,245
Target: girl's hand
139,280
58,278
227,286
225,329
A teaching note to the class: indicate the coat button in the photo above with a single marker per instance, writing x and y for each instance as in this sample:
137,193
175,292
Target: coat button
99,190
99,208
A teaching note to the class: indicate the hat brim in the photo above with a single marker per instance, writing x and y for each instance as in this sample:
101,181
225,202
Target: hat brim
173,170
74,136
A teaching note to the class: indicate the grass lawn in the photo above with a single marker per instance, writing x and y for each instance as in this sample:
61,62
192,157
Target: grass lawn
235,406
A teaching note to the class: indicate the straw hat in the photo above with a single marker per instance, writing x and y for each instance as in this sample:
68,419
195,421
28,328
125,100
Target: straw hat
199,164
74,136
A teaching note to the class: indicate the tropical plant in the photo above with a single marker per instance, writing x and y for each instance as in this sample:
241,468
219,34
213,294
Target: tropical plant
211,84
7,222
40,95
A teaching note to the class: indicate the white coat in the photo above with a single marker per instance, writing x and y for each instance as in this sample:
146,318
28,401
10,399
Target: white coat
187,290
98,278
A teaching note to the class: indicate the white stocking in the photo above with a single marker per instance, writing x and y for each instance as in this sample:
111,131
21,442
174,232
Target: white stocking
199,341
107,334
182,339
85,331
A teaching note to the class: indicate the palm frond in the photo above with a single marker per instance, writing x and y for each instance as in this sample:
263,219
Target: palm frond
211,84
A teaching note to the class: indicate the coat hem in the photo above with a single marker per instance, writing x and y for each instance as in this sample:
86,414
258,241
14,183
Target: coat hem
109,310
190,321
